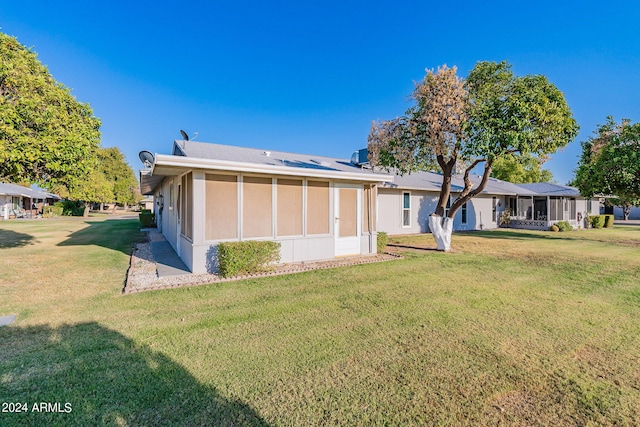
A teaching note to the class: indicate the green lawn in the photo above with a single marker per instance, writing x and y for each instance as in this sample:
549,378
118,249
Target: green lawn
511,328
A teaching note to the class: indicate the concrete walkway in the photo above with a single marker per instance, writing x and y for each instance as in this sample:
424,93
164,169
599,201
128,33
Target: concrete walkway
167,261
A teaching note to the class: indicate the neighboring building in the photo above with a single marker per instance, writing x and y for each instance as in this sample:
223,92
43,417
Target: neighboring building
550,204
17,201
147,203
405,204
316,207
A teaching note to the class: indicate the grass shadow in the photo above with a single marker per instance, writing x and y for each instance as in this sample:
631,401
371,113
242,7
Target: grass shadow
95,376
111,233
13,239
506,234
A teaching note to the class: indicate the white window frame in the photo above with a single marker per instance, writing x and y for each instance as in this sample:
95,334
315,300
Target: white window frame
464,214
403,209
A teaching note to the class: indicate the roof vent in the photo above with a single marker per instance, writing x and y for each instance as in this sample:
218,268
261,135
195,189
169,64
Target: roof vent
267,153
360,157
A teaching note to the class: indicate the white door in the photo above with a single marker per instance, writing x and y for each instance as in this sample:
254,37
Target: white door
347,219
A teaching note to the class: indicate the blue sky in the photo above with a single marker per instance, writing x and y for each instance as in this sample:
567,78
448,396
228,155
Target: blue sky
310,76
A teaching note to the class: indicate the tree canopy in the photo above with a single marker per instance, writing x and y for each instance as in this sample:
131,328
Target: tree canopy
121,178
610,163
459,124
46,135
520,169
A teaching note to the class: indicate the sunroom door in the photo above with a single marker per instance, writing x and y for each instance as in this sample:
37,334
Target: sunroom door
347,219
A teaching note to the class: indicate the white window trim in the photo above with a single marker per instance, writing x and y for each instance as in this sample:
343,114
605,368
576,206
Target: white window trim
403,209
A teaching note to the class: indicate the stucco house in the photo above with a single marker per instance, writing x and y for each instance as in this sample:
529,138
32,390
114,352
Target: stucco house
17,201
316,207
405,204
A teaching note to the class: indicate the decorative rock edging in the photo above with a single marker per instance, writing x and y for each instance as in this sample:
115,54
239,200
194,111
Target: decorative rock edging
142,271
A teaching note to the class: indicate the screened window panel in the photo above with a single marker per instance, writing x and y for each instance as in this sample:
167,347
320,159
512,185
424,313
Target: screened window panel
221,207
187,205
348,212
317,207
289,207
257,207
369,209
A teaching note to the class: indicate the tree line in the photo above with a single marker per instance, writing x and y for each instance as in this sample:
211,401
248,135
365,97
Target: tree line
49,138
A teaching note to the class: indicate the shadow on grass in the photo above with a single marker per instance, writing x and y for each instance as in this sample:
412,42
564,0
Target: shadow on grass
116,234
97,376
507,234
13,239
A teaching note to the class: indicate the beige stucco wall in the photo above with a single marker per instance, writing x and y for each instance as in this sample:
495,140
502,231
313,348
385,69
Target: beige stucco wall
199,253
423,203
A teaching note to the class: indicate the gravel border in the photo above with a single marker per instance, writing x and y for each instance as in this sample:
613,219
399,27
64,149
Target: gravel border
142,274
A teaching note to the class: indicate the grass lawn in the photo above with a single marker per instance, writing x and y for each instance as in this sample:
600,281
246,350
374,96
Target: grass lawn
512,328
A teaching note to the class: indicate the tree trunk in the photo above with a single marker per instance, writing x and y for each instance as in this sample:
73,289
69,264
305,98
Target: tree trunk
85,214
441,228
626,211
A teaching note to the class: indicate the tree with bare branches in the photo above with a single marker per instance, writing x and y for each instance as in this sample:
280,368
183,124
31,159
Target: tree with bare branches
456,125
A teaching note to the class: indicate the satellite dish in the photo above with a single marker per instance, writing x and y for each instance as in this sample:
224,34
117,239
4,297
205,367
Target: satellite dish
184,135
146,158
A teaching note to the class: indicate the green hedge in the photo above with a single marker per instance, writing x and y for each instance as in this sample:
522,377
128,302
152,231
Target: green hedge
381,242
608,221
71,207
147,219
51,211
597,221
247,257
564,226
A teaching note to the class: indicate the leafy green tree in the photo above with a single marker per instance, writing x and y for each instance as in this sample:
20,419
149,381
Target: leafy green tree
520,169
460,125
46,135
610,164
95,188
122,179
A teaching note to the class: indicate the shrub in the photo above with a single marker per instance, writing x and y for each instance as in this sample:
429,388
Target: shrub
564,226
505,218
381,242
51,211
554,228
147,219
597,221
247,257
608,221
71,207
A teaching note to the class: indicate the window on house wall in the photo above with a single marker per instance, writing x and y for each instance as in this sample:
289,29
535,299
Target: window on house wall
318,207
494,203
406,209
589,206
447,207
171,196
221,207
186,202
289,207
463,212
257,207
